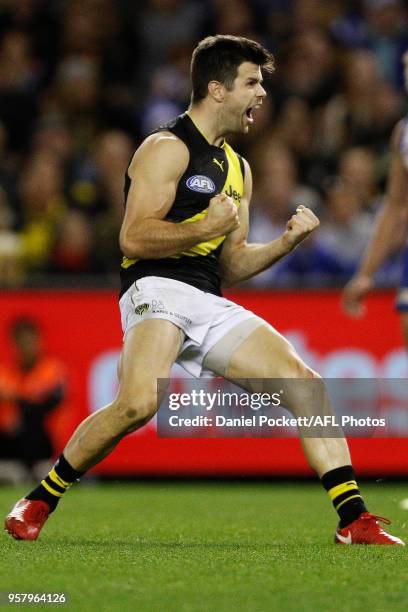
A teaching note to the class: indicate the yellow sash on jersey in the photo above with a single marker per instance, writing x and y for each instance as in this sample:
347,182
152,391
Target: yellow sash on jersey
233,186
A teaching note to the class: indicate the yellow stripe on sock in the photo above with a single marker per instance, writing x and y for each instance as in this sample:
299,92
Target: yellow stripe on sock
50,490
62,483
342,488
346,500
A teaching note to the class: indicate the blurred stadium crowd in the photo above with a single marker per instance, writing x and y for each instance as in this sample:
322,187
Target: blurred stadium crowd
83,81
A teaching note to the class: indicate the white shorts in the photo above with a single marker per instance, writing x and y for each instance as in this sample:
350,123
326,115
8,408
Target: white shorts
204,318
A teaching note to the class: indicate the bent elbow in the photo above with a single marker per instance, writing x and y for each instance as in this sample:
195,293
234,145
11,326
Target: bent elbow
132,249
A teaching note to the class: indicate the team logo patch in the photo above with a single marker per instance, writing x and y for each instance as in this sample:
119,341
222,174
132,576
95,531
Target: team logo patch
200,183
141,309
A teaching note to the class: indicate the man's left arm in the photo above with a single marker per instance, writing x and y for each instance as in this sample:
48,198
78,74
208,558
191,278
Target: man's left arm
240,261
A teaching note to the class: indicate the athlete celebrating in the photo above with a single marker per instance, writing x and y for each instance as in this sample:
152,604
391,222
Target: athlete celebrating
184,235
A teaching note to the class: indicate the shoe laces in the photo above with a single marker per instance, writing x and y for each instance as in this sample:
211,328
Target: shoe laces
370,518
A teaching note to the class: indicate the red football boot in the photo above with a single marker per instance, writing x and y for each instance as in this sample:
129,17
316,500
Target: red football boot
26,519
366,530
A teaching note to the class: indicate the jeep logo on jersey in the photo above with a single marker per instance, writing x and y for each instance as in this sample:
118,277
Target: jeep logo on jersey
200,183
233,194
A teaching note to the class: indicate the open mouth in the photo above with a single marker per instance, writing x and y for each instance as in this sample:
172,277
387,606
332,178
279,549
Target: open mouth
249,112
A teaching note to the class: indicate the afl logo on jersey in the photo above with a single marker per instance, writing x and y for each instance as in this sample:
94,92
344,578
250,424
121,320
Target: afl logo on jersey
200,183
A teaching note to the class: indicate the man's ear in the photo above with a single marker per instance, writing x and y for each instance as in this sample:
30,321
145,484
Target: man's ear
216,90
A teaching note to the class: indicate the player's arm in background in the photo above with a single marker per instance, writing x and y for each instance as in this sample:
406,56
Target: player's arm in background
387,234
240,261
155,171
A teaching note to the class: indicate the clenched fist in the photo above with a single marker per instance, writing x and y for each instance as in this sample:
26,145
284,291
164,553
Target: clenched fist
299,226
222,216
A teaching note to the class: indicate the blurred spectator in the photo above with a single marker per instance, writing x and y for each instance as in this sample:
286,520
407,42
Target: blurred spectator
349,27
235,17
11,265
18,82
10,244
34,385
162,25
309,71
39,20
51,135
73,245
170,91
343,233
75,96
88,238
309,14
81,82
357,169
275,199
295,129
387,36
343,236
112,155
379,26
43,207
359,116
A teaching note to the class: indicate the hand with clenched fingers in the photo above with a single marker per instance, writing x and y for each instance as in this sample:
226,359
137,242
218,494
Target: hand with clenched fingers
222,215
299,226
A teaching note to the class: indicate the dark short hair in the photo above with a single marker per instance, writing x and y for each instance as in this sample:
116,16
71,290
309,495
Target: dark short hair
217,58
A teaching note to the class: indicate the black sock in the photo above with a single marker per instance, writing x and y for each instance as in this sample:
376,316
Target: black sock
54,485
343,491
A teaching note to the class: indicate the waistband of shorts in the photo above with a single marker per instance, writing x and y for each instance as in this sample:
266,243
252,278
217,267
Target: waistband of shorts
169,282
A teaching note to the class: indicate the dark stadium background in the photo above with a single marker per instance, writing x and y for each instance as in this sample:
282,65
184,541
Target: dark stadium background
81,84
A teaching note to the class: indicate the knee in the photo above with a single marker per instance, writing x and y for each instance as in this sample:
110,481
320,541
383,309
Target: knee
305,391
135,412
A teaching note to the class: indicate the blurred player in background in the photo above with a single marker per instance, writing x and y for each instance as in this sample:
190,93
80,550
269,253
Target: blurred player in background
183,236
32,388
390,229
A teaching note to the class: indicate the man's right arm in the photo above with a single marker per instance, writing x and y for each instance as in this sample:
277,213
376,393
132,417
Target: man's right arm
155,171
387,232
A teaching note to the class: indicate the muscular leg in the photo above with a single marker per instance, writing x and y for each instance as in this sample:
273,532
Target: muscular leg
267,355
149,351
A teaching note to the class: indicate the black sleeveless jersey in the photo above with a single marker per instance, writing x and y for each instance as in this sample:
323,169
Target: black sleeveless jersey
211,170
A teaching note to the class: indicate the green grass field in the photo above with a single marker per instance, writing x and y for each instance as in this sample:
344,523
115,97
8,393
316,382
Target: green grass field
216,547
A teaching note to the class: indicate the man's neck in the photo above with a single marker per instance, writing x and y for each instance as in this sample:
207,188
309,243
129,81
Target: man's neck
207,123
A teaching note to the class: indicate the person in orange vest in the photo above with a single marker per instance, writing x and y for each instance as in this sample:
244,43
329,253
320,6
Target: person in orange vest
34,386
